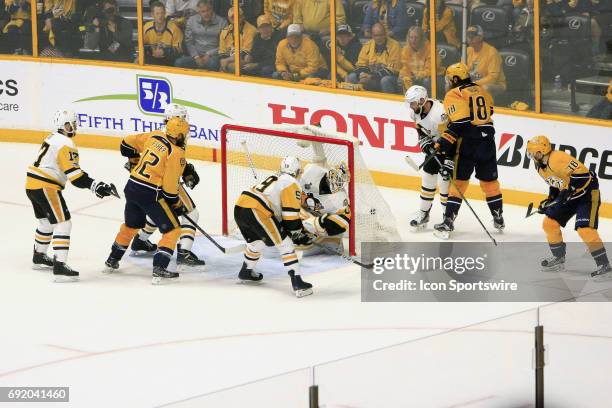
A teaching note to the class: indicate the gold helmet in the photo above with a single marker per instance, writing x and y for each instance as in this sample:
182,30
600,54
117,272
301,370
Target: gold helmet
177,129
459,70
538,144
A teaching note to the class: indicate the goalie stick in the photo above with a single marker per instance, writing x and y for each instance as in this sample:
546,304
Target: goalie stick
345,257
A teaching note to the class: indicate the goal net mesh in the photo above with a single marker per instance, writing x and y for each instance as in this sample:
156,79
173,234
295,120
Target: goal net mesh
251,154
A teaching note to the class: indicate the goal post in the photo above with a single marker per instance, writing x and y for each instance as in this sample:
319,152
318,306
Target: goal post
249,154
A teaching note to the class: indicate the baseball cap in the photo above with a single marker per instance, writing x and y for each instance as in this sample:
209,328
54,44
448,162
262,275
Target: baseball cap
294,29
475,30
344,28
262,20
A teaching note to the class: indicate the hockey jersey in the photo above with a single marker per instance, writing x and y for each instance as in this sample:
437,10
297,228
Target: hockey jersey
279,196
563,171
57,162
314,181
434,122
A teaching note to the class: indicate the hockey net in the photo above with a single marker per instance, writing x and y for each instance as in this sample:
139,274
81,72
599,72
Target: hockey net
249,154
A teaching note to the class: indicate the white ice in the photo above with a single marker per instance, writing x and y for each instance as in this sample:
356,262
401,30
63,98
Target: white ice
118,341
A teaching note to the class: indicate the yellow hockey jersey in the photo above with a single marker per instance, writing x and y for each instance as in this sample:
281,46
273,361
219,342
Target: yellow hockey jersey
277,196
563,171
161,164
57,162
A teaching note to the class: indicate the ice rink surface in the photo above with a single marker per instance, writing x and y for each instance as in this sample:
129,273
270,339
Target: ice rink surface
118,341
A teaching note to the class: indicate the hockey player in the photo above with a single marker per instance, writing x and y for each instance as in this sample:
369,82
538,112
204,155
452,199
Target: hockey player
131,147
573,190
268,215
326,211
468,144
57,162
430,118
153,190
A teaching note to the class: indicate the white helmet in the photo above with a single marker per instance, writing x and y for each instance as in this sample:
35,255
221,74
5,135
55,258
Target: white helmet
418,94
62,117
291,165
174,110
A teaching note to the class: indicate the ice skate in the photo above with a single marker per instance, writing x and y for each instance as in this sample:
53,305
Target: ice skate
421,220
111,265
41,261
249,275
444,229
603,273
188,258
64,273
553,264
498,222
300,287
141,247
162,276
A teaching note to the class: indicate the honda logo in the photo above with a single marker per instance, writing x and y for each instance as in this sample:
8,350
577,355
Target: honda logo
574,24
510,60
488,16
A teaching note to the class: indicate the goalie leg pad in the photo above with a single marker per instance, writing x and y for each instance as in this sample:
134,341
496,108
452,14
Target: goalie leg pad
334,224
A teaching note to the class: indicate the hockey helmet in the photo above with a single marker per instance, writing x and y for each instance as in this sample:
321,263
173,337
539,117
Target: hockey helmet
177,129
62,117
416,94
174,110
459,70
291,165
538,144
337,177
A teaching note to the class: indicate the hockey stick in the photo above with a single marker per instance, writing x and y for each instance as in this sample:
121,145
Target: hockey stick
470,206
251,165
232,250
113,191
345,257
412,164
531,205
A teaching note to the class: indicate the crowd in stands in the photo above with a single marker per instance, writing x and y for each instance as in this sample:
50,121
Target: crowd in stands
382,45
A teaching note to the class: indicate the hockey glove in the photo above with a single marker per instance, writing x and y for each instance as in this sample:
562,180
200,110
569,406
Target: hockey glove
190,177
131,163
427,145
564,196
179,209
301,238
545,204
447,169
101,189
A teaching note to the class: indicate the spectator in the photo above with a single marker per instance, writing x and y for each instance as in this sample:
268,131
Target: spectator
390,13
260,62
416,61
60,30
484,62
446,32
226,41
162,38
603,108
379,63
522,30
347,51
251,9
313,15
298,57
588,8
180,10
202,38
16,34
111,34
280,13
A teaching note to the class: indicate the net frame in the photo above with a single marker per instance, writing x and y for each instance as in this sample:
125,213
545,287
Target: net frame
350,147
